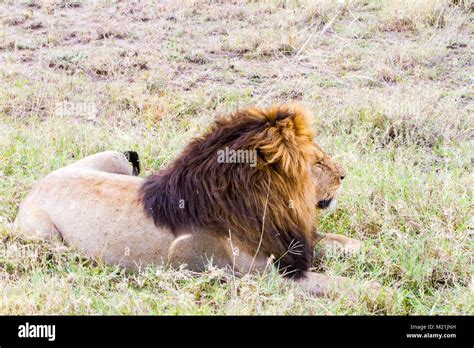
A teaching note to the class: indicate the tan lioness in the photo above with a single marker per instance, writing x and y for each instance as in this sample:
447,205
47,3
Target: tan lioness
257,203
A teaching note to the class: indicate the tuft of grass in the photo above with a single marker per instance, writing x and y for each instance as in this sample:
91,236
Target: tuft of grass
405,15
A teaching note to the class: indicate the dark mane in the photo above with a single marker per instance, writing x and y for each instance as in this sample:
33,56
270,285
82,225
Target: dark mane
197,190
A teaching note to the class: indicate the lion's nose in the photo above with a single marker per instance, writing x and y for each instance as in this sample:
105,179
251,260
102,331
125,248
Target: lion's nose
342,177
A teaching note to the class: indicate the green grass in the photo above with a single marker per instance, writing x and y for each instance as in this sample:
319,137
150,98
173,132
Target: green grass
392,104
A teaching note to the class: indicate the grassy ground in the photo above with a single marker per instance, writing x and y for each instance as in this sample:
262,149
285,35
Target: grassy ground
390,84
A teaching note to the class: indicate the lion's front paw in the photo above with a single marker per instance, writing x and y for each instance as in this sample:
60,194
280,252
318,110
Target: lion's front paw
341,244
351,246
322,285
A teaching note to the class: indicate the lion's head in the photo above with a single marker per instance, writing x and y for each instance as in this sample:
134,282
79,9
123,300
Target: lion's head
327,176
257,175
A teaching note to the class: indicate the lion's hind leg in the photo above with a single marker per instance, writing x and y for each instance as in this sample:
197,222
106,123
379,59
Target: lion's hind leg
111,162
36,223
197,251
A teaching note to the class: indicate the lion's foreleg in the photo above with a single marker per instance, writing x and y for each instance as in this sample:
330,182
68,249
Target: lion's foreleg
321,285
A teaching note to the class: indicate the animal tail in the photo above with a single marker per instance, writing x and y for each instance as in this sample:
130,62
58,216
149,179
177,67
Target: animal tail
134,159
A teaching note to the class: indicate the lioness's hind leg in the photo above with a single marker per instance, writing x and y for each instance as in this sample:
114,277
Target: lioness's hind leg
107,161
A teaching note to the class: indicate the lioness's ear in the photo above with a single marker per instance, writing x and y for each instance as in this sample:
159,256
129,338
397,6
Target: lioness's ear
287,139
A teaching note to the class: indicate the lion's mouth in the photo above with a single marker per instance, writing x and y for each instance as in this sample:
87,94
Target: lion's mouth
325,203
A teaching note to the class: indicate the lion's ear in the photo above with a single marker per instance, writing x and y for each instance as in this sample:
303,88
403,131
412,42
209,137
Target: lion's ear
287,139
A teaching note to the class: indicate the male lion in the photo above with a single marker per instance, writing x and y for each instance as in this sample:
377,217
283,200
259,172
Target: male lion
200,209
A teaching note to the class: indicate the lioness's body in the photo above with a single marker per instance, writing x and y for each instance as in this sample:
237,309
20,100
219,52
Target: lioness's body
94,204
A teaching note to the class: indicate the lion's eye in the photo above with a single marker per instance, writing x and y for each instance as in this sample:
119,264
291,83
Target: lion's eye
317,170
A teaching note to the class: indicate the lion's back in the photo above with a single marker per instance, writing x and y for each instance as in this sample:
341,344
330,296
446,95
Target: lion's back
97,212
